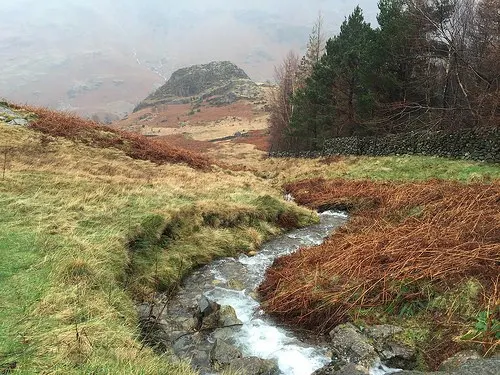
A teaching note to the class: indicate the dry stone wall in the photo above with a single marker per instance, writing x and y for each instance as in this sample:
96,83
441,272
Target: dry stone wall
471,144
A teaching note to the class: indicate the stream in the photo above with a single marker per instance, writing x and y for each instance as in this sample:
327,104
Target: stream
239,330
232,282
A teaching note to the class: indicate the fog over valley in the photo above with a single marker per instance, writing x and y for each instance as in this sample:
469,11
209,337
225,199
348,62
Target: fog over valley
104,56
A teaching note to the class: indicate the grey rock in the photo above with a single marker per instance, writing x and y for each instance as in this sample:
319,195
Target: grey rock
207,314
227,334
254,366
459,359
19,122
392,352
222,353
480,366
345,369
219,82
350,345
382,332
207,307
228,317
398,355
471,367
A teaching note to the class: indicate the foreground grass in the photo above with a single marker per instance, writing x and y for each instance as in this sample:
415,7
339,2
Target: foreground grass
69,276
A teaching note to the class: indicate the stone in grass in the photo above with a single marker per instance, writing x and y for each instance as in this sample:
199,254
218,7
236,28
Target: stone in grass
254,366
349,345
19,122
459,359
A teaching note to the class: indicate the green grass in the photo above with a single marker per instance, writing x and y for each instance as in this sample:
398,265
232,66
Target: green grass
69,273
22,279
387,168
418,168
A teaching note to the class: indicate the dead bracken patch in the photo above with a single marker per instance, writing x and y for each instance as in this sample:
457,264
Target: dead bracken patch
258,138
405,244
91,133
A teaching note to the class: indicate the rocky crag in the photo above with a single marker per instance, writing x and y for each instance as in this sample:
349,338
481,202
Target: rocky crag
218,83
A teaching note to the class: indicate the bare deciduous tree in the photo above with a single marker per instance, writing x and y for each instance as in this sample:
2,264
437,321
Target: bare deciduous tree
281,106
315,50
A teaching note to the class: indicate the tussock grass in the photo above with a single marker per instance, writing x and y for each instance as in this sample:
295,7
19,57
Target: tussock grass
73,218
430,247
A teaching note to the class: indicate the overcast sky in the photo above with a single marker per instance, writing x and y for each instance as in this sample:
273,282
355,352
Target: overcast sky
62,52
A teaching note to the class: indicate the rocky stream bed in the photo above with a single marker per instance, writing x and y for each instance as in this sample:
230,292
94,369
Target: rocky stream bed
215,321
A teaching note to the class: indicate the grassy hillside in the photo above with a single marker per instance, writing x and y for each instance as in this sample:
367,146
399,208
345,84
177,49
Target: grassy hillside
94,220
81,240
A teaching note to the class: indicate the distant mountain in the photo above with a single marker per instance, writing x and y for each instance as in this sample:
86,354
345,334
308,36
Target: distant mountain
104,56
219,82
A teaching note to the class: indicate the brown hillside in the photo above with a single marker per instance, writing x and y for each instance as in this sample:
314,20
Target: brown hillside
137,146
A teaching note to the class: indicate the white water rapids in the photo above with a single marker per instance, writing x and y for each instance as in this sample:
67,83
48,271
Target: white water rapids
259,336
232,281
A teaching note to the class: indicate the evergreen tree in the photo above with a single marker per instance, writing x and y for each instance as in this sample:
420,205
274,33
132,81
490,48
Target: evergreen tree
336,96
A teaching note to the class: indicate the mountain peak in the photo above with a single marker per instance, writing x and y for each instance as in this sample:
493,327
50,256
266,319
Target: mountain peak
218,82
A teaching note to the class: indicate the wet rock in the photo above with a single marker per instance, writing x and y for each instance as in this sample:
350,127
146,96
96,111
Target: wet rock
183,344
194,348
227,317
459,359
206,314
236,284
254,366
345,369
222,353
207,307
398,355
228,334
349,345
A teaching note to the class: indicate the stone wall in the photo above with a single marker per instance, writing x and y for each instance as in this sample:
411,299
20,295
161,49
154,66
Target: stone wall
472,144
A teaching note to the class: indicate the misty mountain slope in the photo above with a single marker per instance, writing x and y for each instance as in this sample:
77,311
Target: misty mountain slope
100,56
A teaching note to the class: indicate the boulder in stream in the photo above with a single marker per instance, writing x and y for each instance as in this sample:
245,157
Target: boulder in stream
254,366
222,354
367,347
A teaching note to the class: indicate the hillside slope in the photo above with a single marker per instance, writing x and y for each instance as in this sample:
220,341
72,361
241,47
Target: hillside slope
71,209
90,226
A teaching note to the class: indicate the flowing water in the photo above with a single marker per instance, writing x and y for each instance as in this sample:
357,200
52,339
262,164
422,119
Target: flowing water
232,281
